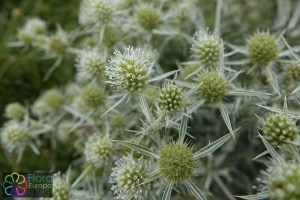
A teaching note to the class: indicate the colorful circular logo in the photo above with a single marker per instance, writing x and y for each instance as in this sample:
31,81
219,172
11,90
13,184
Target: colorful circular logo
15,185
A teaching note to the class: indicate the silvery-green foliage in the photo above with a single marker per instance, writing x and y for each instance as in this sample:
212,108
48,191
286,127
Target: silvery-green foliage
170,100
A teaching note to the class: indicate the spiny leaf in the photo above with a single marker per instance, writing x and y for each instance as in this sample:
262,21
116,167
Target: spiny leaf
141,149
207,150
195,190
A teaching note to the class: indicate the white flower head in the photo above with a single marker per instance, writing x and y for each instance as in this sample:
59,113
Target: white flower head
98,150
130,70
206,47
128,177
15,136
35,26
96,11
61,188
91,62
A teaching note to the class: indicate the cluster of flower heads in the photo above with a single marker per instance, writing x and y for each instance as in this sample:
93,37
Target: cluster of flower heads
134,126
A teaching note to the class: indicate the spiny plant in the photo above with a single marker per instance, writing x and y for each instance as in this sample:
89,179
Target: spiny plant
165,100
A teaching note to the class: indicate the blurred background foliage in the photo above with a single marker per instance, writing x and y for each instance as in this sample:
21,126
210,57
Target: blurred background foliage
22,70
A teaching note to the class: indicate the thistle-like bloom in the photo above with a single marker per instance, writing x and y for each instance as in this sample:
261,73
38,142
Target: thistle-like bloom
93,96
130,70
15,111
284,182
279,128
61,188
33,28
101,11
98,150
171,98
178,161
213,86
262,48
15,136
58,43
128,177
206,48
53,100
91,62
148,18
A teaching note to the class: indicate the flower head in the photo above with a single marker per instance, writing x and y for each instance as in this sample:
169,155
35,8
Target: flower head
129,71
128,177
262,48
101,11
177,162
15,136
61,188
98,150
15,111
206,48
91,62
213,86
171,98
284,182
148,18
93,96
279,128
53,99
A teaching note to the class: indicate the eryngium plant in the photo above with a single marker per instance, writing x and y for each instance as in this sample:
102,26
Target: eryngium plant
154,100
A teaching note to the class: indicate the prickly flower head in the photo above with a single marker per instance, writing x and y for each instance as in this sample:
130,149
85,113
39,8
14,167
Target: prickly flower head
171,98
262,48
101,11
148,17
98,150
91,62
213,86
128,177
15,136
176,162
36,26
279,128
206,48
53,99
130,70
93,96
61,188
15,111
284,182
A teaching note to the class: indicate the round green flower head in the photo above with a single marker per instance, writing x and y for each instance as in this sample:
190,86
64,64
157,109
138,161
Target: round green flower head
171,98
292,71
61,189
129,71
25,37
128,177
284,182
101,10
279,128
262,48
58,44
213,86
91,62
98,150
176,162
206,48
15,136
93,96
53,99
148,18
14,111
